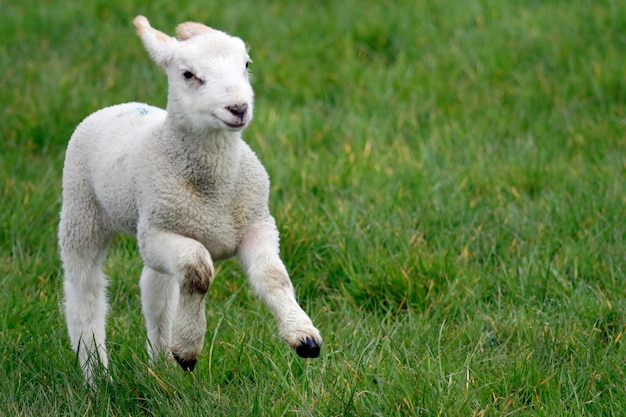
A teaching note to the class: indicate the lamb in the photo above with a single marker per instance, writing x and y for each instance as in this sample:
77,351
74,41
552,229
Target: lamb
189,188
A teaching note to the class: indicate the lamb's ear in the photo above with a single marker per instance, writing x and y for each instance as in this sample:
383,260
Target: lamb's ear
158,44
188,30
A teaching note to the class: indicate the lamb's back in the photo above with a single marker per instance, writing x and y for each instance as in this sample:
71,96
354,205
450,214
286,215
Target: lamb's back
97,162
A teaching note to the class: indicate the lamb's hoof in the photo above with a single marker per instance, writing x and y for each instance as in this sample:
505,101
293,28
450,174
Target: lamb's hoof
186,364
308,348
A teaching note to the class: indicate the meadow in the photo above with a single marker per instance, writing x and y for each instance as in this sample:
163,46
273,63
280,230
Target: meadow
449,180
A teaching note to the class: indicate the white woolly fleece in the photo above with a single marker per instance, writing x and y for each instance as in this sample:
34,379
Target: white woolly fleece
188,187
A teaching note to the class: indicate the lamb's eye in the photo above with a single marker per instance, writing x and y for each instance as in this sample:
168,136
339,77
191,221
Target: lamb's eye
247,63
191,77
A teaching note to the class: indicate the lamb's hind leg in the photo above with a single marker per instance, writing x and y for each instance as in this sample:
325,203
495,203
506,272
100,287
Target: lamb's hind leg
83,247
258,254
190,266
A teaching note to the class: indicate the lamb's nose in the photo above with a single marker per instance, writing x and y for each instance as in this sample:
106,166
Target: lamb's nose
238,110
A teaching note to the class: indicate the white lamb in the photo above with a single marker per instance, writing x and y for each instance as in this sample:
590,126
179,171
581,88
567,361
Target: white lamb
184,182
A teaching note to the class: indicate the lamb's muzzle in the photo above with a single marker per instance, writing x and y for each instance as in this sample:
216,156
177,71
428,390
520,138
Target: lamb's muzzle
238,110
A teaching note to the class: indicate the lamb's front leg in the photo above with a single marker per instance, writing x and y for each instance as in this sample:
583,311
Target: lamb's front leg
189,264
258,253
159,302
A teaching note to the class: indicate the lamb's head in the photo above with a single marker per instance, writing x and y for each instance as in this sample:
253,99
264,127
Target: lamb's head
209,86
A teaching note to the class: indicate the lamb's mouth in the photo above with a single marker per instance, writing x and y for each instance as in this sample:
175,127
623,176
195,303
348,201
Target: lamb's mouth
235,126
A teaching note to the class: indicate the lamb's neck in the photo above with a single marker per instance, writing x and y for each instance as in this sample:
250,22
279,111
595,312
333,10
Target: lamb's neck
208,156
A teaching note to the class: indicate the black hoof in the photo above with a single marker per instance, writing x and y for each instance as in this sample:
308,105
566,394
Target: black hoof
186,364
308,348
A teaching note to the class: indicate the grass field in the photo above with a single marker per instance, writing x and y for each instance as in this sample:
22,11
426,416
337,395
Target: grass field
449,180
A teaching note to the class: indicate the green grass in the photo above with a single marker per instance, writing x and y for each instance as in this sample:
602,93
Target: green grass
449,179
